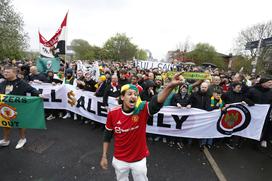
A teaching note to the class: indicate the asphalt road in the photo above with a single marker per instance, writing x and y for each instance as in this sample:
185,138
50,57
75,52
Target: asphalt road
68,150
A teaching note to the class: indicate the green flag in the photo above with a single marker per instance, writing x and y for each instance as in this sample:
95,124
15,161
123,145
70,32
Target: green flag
45,64
21,112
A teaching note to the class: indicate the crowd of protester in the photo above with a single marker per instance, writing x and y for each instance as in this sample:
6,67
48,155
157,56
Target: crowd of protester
223,89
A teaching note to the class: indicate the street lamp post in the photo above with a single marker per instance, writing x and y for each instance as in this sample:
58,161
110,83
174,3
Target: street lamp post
254,62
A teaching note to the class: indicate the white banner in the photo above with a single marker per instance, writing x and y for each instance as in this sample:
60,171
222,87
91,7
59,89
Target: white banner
151,65
194,123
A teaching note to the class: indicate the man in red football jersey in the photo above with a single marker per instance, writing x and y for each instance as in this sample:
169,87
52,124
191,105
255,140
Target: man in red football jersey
127,123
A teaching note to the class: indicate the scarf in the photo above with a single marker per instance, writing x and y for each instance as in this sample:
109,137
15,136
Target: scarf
214,104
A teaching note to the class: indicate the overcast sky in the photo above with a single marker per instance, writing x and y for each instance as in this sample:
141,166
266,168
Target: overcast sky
157,25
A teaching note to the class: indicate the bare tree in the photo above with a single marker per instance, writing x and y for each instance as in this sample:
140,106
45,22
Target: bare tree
253,33
185,46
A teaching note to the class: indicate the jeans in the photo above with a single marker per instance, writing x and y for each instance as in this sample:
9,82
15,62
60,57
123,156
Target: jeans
208,141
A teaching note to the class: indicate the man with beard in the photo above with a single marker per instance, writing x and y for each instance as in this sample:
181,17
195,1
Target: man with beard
80,79
127,123
201,100
261,93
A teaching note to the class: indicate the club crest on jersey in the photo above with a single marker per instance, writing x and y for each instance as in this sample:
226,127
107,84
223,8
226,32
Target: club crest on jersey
135,118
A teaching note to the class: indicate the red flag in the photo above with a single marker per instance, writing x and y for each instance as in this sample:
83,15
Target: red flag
56,45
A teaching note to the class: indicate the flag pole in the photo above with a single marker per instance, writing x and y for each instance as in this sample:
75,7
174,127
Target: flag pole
65,37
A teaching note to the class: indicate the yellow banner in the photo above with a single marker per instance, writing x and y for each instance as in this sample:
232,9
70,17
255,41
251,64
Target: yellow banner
192,75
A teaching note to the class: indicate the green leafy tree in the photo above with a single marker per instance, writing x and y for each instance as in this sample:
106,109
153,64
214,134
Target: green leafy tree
141,54
241,61
83,50
204,52
120,48
13,39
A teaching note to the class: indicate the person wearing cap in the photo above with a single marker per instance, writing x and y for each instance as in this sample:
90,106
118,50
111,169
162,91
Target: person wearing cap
261,93
127,123
181,99
100,86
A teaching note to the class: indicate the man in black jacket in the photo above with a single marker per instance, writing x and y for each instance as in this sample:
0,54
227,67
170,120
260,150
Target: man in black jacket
202,100
235,95
261,93
14,86
112,90
35,76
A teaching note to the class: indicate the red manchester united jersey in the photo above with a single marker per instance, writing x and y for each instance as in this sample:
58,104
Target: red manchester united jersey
129,133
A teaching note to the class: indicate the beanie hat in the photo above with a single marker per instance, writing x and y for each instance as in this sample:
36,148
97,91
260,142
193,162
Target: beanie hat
69,71
102,78
265,79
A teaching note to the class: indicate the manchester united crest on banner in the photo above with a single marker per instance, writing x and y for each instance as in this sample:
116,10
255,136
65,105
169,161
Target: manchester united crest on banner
235,118
7,112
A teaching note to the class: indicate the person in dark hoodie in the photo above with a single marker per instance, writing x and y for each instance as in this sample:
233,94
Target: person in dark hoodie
100,86
89,82
148,91
181,100
69,79
235,95
261,93
146,95
50,79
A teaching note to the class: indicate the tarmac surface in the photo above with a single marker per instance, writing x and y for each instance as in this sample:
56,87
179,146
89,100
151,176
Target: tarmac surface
68,150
